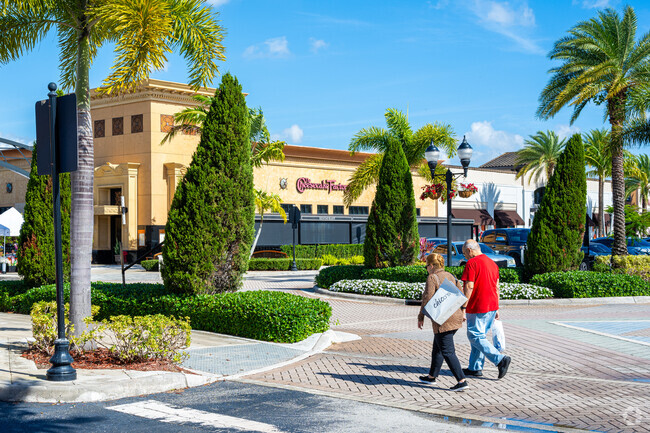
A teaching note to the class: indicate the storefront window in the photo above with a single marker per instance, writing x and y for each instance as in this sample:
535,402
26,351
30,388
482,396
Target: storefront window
337,210
322,209
305,208
358,210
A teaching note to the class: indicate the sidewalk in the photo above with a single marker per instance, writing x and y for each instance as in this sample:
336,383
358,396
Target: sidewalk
212,357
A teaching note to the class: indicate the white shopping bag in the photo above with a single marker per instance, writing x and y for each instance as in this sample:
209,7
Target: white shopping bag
498,336
445,302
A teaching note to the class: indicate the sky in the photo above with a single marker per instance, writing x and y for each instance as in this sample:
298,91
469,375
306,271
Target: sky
323,70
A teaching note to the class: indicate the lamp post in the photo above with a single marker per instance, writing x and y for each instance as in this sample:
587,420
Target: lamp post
432,154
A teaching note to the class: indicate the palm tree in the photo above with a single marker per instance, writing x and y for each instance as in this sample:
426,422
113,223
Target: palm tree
601,63
598,156
414,145
539,155
190,120
638,179
143,33
266,201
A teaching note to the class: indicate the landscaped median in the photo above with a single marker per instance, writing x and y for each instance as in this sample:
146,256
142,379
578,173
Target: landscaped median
261,315
407,282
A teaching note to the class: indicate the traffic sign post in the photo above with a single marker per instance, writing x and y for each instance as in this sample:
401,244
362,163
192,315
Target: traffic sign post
56,141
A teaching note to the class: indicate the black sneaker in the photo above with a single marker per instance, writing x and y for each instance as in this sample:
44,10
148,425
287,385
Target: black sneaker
475,373
503,366
427,379
460,386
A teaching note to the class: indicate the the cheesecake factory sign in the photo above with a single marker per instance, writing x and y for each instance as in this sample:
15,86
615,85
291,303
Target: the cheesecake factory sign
304,183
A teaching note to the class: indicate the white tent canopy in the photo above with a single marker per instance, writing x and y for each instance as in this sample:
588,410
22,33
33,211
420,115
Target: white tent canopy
4,231
11,219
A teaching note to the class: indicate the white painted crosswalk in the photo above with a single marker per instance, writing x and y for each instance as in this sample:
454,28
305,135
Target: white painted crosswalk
159,411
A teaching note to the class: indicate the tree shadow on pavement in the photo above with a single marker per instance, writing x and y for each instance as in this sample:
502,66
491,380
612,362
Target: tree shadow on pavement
408,369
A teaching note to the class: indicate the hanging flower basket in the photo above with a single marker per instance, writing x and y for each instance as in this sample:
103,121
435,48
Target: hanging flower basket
467,190
433,191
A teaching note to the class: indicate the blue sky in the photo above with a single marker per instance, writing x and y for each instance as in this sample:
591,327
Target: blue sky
323,70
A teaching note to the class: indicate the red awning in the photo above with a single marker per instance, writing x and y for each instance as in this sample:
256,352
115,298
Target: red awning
507,218
608,218
480,216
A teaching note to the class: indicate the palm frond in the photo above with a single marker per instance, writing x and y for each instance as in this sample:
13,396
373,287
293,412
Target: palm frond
21,29
364,176
442,136
265,152
372,138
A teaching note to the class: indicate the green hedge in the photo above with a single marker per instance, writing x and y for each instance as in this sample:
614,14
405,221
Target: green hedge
406,274
631,265
283,264
150,265
262,315
328,276
577,284
341,251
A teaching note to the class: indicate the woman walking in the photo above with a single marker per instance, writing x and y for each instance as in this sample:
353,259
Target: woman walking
443,340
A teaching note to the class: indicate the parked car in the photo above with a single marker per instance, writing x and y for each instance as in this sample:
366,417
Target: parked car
595,249
458,259
635,247
510,242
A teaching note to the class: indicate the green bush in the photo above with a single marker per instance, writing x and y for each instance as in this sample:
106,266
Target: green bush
36,242
45,328
209,228
328,276
150,265
576,284
631,265
392,230
269,316
330,260
406,274
559,225
283,264
340,251
142,338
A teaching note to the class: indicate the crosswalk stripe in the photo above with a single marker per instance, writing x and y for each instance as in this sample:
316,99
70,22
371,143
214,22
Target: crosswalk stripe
159,411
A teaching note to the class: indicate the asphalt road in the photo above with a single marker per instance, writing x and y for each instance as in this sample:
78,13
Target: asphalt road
222,407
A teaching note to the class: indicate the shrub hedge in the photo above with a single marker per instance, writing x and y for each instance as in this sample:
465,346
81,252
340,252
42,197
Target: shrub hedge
317,251
262,315
631,265
576,284
150,265
283,264
406,274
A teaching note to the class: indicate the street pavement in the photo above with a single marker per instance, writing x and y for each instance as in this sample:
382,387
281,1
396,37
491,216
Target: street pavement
583,367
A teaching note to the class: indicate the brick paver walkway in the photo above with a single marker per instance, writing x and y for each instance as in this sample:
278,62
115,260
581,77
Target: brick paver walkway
593,374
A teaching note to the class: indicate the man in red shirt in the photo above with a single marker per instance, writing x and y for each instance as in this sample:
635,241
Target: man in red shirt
481,281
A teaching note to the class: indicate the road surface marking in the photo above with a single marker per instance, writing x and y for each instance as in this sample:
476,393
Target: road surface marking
153,409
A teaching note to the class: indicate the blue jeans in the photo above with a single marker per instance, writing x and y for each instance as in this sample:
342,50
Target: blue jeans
477,326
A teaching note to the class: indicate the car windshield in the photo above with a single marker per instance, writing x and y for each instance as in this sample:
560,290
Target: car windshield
518,235
599,248
486,250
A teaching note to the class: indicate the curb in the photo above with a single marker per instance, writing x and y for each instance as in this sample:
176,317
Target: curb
554,301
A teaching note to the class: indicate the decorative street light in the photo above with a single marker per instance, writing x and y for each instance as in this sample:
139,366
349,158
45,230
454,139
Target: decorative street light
432,154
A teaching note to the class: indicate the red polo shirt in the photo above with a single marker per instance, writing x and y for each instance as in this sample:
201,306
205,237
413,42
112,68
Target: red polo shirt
484,273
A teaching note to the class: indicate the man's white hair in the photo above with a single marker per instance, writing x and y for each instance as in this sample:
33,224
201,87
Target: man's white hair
471,244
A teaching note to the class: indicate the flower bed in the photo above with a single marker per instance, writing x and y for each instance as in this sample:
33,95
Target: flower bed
402,290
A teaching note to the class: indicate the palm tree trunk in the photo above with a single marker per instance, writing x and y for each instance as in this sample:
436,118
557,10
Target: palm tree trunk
601,203
616,108
257,236
81,218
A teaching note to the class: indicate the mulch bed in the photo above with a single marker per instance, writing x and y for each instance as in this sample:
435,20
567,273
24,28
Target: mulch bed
102,358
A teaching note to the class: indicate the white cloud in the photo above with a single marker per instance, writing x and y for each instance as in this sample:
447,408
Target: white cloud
270,48
440,4
510,21
317,44
565,131
293,134
217,3
489,143
593,4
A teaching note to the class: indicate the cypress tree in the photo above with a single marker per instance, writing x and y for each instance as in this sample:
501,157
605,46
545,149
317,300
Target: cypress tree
210,224
36,243
559,225
392,231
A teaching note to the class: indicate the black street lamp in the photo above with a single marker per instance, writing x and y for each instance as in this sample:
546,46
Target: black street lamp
432,154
